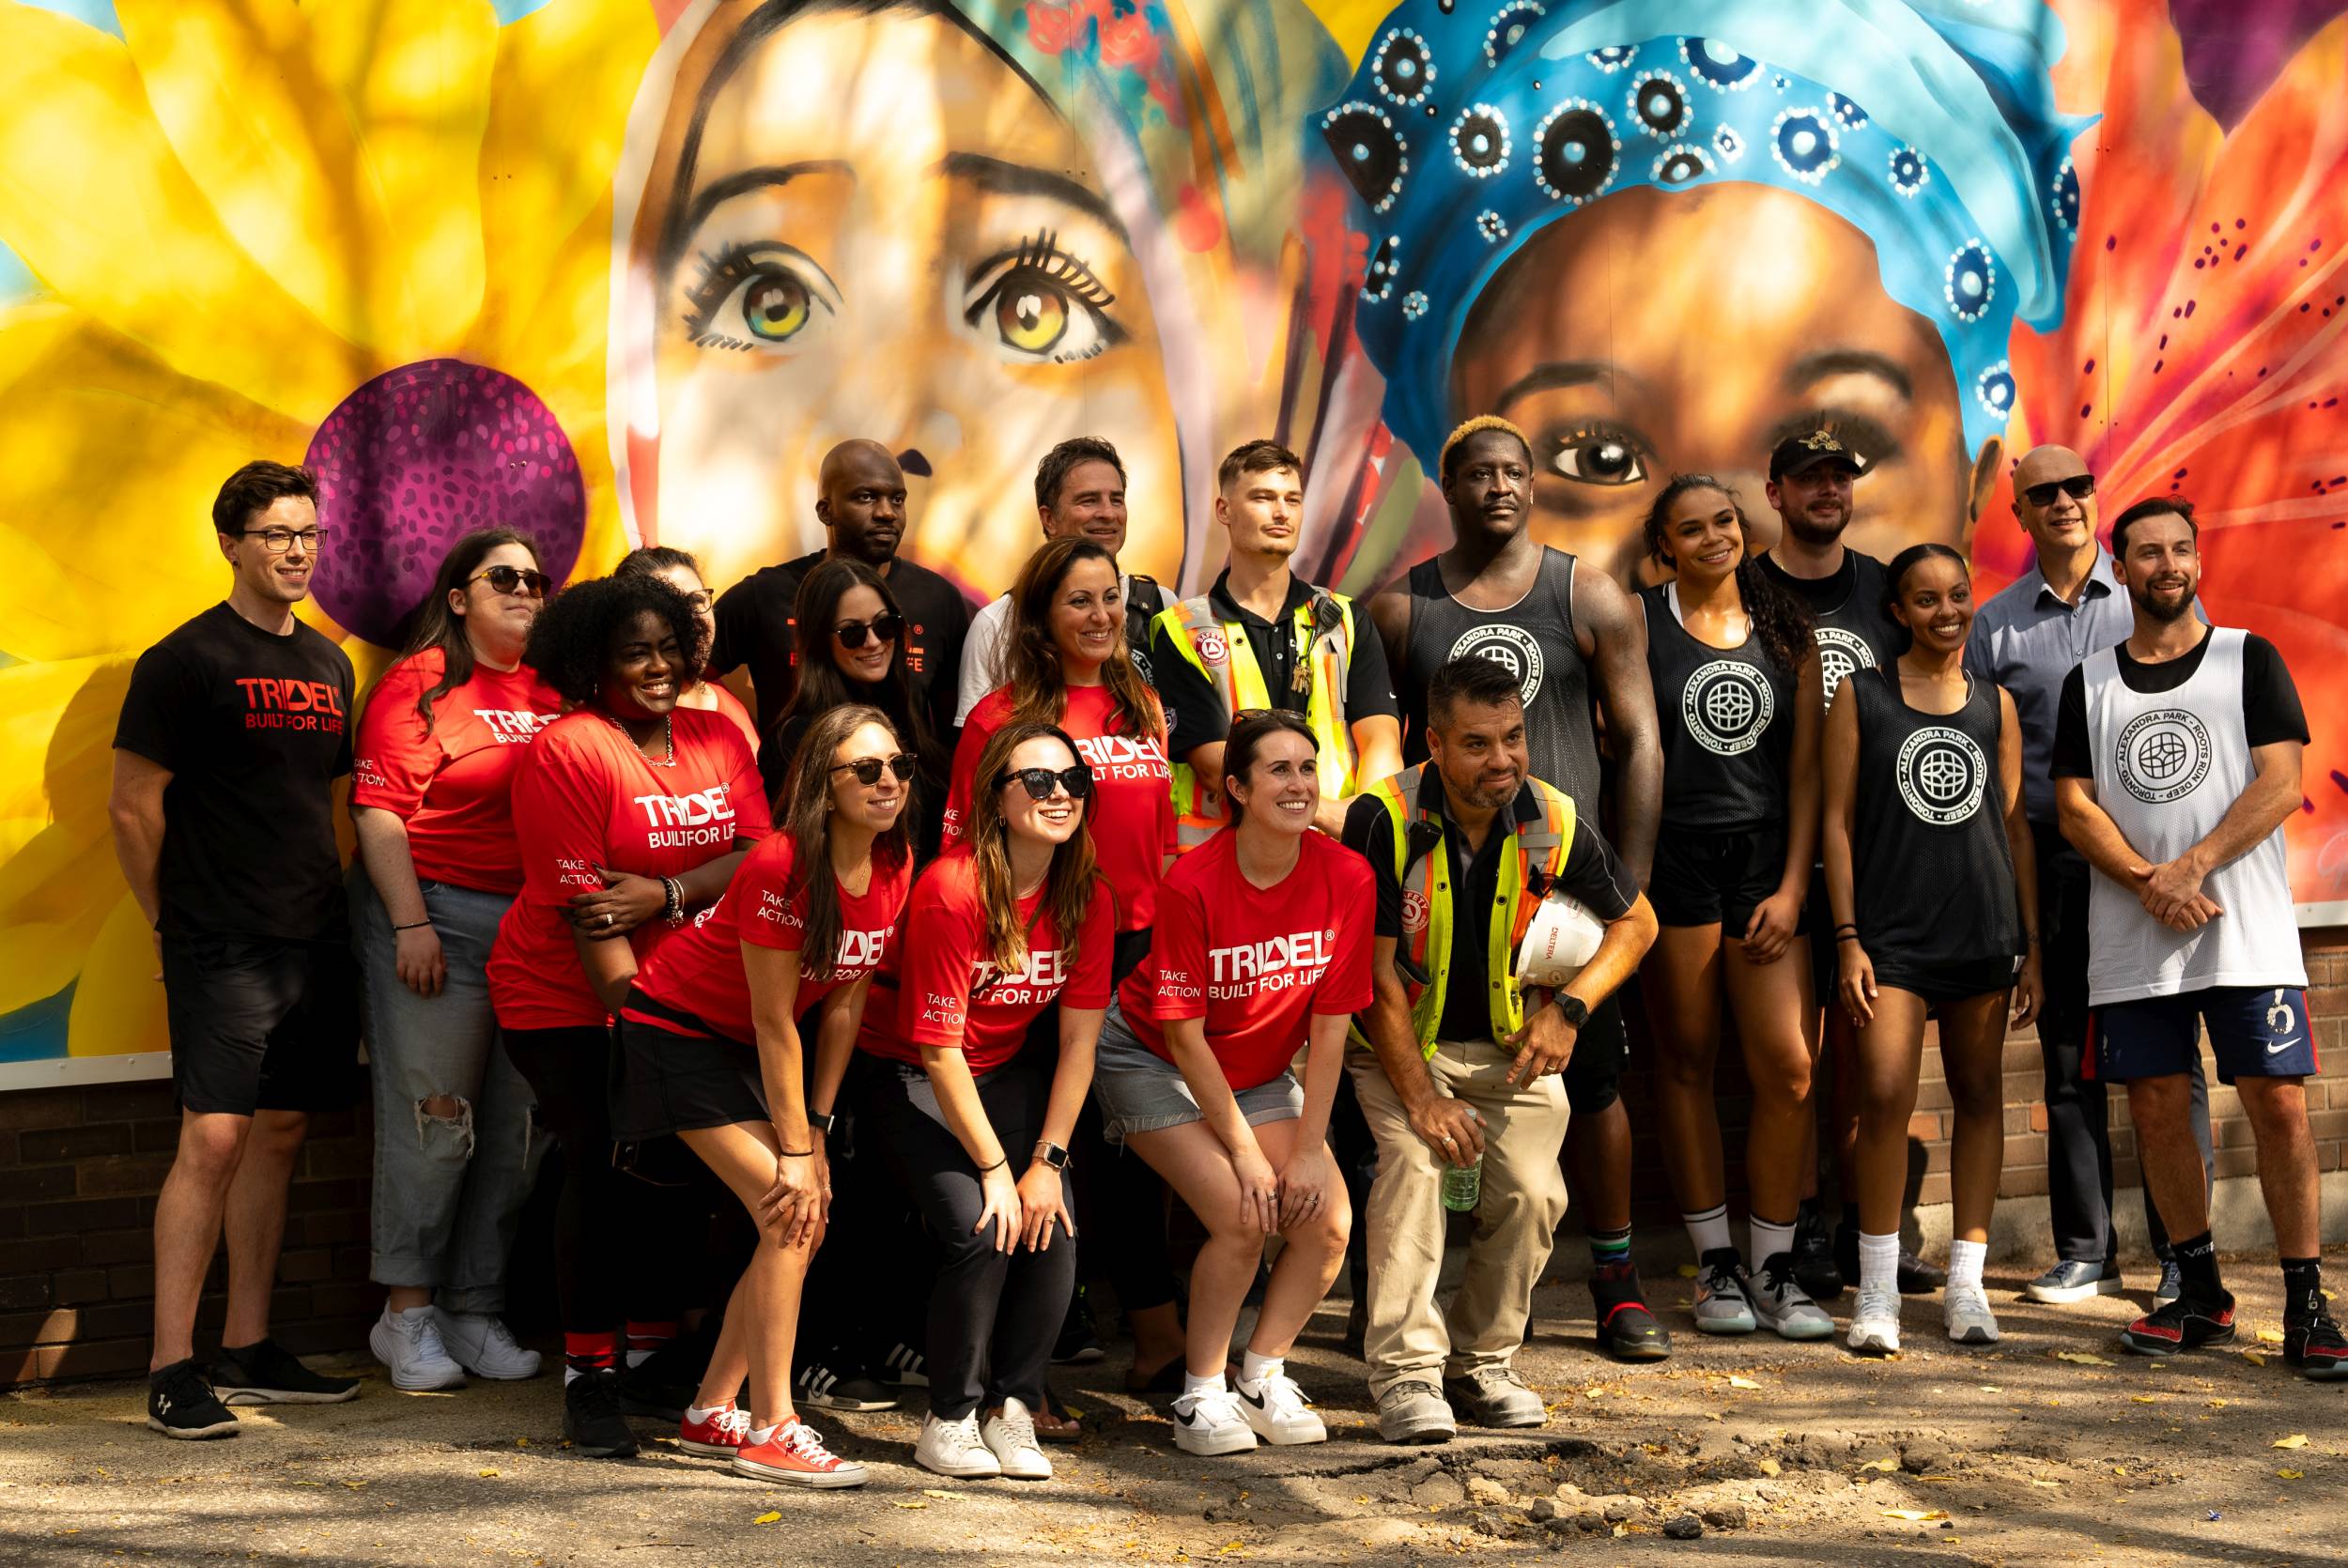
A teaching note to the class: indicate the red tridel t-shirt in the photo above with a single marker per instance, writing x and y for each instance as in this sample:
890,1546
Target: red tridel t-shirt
939,989
1132,815
1255,962
695,983
586,796
453,784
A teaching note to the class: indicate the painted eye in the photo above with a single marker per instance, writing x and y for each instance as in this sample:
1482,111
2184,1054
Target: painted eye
1598,457
1043,303
757,297
776,307
1031,318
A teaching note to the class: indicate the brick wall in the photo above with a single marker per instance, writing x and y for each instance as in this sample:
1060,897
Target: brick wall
80,1167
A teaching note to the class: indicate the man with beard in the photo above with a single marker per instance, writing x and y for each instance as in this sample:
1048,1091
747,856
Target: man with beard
2028,638
1812,474
1577,648
861,503
2176,762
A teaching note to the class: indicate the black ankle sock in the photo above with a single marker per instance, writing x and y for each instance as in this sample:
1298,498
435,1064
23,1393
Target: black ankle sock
1850,1217
2197,1260
2303,1287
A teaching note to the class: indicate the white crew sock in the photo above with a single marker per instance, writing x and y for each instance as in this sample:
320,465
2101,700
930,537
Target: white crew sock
1965,1261
1880,1261
758,1435
1707,1232
696,1416
1769,1238
1253,1369
1194,1385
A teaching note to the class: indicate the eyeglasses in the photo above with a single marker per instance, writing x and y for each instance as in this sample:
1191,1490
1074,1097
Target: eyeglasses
510,579
868,769
2078,488
277,541
1078,781
699,602
883,627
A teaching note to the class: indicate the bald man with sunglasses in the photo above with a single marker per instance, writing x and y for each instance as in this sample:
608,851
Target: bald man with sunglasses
2027,638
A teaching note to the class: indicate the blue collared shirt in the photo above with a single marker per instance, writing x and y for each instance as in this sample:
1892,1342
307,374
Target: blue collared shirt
2027,640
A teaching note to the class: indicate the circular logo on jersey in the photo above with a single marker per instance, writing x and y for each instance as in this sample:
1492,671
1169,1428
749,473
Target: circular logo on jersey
2163,755
1841,652
1413,911
1514,649
1941,775
1727,705
1210,646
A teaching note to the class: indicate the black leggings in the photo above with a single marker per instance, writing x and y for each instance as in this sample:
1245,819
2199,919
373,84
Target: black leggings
626,1246
993,1316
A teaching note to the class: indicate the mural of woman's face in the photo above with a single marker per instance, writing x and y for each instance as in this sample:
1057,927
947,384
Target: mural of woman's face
881,237
1655,332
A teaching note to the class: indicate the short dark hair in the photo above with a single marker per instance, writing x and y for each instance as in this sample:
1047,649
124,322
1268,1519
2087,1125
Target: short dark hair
2153,506
1248,734
1257,457
572,636
1064,459
650,560
1470,678
255,487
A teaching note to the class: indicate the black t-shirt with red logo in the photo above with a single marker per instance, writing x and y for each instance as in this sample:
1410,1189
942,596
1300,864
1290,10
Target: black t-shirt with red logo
254,728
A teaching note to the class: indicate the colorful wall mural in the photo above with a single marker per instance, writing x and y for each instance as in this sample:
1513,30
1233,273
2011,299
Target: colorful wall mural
619,271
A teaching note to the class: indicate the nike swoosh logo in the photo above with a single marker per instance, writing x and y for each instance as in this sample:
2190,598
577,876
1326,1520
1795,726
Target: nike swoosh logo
1257,1400
2277,1047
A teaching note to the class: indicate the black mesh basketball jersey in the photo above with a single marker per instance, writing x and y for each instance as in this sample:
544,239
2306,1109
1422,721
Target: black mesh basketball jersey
1728,723
1854,630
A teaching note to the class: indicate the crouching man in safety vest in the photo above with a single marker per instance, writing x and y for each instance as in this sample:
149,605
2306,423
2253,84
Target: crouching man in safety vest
1262,638
1457,1069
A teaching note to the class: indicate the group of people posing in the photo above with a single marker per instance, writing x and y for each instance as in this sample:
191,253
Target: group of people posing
994,930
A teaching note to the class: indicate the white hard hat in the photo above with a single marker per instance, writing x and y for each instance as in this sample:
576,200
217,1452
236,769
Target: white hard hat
1563,937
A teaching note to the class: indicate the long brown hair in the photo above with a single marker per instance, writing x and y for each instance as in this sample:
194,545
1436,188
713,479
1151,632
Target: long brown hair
1781,623
806,818
1039,688
817,687
436,625
1067,888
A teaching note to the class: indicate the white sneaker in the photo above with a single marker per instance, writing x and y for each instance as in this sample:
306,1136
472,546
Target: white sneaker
1278,1411
1211,1423
954,1448
409,1342
1875,1326
482,1344
1966,1308
1010,1437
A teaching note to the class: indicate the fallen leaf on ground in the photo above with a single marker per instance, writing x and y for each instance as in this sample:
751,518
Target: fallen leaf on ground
2272,1336
2297,1439
2082,1358
2050,1486
766,1518
1770,1467
2146,1398
2293,1475
1991,1388
489,1475
955,1497
2254,1357
1915,1515
911,1502
1736,1382
1687,1270
1887,1466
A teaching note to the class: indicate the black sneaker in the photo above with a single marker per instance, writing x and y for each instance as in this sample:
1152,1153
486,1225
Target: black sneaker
1357,1325
828,1383
181,1403
1626,1330
592,1419
662,1384
2315,1346
1917,1277
902,1366
1079,1343
262,1374
1815,1268
2183,1324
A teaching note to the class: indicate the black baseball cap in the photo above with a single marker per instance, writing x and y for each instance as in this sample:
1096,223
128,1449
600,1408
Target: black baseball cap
1800,453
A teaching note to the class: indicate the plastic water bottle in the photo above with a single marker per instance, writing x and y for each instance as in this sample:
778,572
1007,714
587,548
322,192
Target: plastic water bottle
1463,1186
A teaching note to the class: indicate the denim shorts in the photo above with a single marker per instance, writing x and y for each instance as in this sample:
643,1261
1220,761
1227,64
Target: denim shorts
1140,1091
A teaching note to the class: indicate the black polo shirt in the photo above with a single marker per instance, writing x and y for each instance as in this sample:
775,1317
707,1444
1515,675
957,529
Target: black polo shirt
1196,715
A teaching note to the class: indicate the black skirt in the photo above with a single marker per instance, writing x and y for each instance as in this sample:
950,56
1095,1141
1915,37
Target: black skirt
669,1082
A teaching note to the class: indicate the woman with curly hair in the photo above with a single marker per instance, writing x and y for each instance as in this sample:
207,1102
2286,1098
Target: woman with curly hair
681,571
1738,692
629,784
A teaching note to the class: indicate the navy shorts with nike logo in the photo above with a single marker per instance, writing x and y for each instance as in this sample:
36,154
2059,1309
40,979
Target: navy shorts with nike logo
2254,1032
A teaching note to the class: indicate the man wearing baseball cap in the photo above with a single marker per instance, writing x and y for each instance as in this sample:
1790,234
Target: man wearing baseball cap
2028,638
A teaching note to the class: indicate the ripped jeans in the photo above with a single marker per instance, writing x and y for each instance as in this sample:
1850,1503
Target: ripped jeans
448,1189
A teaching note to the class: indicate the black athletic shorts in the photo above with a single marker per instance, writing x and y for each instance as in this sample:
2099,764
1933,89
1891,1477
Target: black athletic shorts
1942,983
262,1023
1594,1072
670,1082
1702,879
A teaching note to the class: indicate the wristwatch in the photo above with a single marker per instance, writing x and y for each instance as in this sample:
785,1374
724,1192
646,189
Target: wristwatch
1576,1010
1051,1154
823,1121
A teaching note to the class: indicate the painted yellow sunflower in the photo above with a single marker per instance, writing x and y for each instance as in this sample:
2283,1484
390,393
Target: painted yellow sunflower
371,235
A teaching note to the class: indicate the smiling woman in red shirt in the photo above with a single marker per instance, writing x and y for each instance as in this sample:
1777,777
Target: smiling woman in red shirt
1001,926
711,1050
1262,945
680,571
431,798
630,783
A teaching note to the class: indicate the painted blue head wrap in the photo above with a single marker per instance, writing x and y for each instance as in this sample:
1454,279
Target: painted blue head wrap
1930,125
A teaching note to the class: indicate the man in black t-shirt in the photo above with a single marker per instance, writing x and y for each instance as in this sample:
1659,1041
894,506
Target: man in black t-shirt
231,736
860,500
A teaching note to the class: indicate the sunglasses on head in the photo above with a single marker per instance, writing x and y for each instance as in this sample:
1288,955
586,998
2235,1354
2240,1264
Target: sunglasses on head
868,769
883,629
1078,781
507,579
2078,488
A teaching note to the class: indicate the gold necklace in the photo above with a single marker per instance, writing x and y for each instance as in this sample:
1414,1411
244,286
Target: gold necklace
667,730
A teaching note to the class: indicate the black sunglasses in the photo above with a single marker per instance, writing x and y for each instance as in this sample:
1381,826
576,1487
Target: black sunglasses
1078,781
886,627
505,579
868,769
2078,488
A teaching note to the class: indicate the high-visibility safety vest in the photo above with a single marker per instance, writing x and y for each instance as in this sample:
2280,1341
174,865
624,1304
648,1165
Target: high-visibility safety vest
1219,650
1539,824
